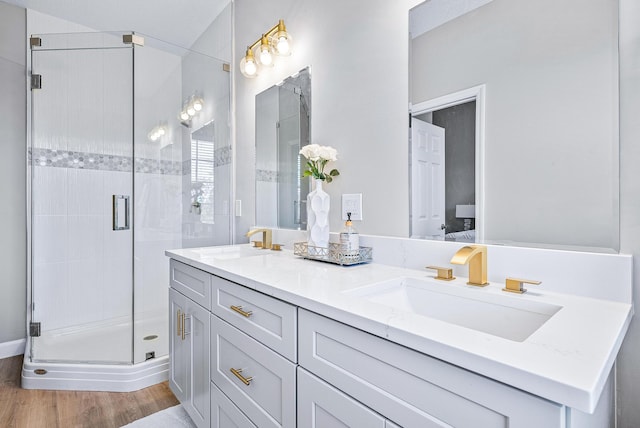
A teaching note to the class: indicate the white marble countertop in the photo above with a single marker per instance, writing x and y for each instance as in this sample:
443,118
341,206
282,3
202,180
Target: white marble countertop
567,360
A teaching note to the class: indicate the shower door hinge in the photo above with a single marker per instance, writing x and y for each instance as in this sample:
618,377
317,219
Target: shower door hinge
133,39
35,41
34,329
36,81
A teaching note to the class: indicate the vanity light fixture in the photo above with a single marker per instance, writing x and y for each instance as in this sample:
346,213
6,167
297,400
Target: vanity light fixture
276,41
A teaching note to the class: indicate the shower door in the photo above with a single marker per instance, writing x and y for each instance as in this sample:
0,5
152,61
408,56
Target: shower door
81,157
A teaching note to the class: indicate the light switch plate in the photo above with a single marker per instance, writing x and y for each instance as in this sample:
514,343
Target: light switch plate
352,203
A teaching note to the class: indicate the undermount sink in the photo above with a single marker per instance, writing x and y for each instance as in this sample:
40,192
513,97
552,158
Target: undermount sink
504,316
230,252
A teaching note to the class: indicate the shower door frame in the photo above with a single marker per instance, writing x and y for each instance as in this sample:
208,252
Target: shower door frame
132,41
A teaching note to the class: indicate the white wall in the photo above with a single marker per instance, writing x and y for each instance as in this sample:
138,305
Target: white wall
359,84
551,123
628,378
358,80
13,245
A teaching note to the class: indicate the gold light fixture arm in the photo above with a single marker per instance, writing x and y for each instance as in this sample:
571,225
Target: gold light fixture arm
271,32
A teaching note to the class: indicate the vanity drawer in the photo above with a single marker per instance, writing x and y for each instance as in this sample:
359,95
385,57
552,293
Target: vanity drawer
269,399
322,406
268,320
411,388
225,414
191,282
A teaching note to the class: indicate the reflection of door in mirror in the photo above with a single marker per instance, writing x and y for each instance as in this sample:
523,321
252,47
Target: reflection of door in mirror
282,128
443,173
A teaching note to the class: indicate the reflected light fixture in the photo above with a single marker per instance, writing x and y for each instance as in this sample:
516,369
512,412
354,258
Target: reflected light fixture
190,109
157,132
276,41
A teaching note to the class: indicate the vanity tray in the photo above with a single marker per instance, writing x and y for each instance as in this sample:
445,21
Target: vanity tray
333,254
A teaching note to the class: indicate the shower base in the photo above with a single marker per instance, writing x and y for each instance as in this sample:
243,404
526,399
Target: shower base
100,355
95,377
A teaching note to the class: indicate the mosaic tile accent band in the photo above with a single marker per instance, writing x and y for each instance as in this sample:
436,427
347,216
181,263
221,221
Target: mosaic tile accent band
267,175
221,156
81,160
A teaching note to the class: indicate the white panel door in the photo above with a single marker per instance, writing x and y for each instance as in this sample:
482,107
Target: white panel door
427,180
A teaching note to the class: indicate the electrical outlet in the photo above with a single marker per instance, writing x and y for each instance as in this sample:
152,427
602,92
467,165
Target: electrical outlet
352,203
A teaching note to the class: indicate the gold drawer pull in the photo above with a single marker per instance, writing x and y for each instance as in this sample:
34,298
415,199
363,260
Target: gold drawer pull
237,373
239,310
183,320
178,319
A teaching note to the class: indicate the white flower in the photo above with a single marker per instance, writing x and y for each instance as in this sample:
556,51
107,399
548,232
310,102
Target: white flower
328,153
311,152
317,157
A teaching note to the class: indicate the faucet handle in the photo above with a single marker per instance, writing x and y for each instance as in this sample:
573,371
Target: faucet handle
516,285
443,273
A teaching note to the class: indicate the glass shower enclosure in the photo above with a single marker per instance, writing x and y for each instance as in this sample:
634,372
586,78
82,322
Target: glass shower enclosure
129,155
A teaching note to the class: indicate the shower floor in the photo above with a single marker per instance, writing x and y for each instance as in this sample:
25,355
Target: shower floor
105,342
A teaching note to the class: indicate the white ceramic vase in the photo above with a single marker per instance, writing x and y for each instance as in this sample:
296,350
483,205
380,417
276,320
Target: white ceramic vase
318,204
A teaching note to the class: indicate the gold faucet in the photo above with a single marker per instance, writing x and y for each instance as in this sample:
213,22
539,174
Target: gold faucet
266,236
476,257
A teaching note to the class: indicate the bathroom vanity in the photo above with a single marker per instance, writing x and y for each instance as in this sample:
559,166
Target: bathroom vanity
265,339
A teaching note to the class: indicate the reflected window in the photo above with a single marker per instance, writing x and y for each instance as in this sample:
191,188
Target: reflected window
202,163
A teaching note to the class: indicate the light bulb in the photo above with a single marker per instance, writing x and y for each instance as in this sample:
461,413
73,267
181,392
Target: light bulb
184,115
161,132
283,46
197,104
265,56
191,111
282,40
248,65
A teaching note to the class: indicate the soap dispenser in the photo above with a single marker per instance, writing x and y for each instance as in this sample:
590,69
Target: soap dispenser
349,238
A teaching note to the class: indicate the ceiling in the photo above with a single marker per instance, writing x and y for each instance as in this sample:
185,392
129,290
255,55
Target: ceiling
180,22
433,13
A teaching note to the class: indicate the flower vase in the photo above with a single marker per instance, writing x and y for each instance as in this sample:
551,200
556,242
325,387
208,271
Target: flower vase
318,204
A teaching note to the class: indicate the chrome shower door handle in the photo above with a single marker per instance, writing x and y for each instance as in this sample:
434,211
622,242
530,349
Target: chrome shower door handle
120,212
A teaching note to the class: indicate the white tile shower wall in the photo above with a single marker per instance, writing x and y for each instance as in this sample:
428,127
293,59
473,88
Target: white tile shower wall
78,258
158,226
71,112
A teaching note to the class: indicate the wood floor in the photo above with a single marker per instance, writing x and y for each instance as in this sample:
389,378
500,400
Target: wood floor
24,408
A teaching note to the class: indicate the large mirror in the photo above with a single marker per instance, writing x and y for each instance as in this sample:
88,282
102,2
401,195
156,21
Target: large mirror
514,106
283,114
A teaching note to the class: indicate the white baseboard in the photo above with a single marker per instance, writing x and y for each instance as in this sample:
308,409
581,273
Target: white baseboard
13,348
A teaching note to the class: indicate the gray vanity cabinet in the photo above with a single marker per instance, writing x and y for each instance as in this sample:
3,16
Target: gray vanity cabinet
189,336
189,356
273,364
